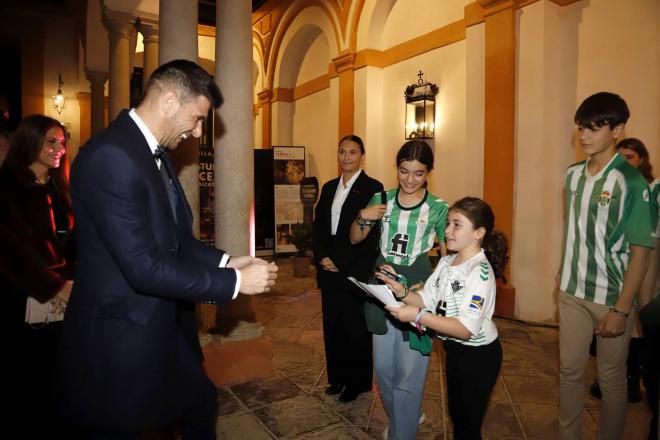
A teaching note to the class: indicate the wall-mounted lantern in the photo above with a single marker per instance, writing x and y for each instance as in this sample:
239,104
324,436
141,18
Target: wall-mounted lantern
58,98
420,109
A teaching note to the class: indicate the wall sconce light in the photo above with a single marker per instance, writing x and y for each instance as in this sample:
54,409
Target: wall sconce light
58,98
420,109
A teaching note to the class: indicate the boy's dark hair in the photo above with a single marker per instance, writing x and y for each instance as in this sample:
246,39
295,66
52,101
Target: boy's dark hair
415,150
353,138
638,147
603,108
495,243
190,79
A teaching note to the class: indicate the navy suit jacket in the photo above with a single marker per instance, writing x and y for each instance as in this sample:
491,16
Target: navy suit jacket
130,332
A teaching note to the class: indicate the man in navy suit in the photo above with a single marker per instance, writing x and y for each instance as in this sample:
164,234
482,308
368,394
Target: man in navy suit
130,355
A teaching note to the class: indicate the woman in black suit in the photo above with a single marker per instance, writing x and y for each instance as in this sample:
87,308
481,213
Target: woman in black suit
347,341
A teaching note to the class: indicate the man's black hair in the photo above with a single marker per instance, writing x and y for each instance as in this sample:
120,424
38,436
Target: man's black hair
603,108
189,78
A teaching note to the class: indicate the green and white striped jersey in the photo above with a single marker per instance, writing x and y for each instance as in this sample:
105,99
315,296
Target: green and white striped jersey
409,232
466,292
655,207
605,215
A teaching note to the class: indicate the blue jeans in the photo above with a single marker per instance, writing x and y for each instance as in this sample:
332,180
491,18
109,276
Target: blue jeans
401,375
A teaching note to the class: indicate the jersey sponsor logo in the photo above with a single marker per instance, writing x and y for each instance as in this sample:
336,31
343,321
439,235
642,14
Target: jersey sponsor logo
441,308
400,243
476,304
605,198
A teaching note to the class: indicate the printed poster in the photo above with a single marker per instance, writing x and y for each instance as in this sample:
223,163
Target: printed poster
289,171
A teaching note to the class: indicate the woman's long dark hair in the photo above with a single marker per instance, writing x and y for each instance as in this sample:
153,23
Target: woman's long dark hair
26,143
638,147
495,243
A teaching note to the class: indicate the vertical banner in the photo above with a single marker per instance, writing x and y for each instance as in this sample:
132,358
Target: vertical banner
289,171
206,186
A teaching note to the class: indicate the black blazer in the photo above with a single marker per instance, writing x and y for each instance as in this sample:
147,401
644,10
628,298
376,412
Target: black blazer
130,327
352,260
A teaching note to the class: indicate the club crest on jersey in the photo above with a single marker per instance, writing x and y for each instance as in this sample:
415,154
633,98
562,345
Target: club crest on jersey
386,218
573,193
456,286
645,195
605,198
476,304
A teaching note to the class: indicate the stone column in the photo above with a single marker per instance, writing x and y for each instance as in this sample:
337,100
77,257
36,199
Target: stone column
178,30
241,335
264,100
178,40
343,65
119,26
149,31
97,80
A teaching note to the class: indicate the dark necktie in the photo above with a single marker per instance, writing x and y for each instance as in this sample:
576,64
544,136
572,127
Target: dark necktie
168,179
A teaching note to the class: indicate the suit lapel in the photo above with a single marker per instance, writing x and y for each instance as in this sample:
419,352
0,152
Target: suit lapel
353,195
183,206
147,162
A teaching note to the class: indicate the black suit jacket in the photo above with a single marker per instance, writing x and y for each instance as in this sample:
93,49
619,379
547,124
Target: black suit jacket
352,260
130,329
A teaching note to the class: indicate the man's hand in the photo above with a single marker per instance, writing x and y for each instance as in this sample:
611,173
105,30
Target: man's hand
611,326
257,277
328,265
241,262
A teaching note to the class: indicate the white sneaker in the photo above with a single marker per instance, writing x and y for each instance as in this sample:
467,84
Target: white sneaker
385,434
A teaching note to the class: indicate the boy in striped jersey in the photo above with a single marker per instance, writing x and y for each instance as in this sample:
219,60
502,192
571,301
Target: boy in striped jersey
607,242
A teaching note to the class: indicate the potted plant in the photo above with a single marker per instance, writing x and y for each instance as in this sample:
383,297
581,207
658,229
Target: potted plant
301,238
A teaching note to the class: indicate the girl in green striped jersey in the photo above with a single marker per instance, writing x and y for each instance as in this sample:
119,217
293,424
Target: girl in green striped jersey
409,218
457,302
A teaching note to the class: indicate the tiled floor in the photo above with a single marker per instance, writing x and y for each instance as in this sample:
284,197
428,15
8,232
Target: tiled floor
292,405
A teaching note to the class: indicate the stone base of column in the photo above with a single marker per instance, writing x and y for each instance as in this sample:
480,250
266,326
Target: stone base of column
505,304
239,361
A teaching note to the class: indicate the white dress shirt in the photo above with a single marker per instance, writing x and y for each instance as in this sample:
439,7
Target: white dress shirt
340,198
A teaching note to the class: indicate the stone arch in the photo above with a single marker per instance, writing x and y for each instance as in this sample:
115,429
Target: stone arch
295,34
370,23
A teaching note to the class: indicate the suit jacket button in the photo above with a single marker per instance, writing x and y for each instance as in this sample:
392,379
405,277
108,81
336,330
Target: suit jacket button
172,250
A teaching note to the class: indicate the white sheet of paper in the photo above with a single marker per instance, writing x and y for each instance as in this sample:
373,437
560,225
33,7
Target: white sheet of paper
380,291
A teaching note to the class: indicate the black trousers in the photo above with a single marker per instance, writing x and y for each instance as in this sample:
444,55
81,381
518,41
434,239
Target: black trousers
348,350
196,422
471,376
30,387
649,317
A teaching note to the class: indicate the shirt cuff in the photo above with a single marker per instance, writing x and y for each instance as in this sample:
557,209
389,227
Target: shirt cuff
238,283
223,263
